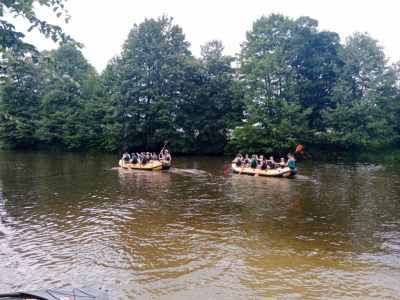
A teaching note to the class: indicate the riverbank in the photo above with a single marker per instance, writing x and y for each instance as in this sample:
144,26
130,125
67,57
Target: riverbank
366,152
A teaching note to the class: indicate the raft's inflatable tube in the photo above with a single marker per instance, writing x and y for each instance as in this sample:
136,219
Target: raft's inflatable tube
286,172
155,166
293,172
86,292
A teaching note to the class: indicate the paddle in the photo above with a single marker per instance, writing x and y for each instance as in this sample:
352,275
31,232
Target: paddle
299,147
163,148
242,169
256,175
226,168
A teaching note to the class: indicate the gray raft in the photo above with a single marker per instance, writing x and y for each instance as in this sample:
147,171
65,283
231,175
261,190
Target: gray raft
83,293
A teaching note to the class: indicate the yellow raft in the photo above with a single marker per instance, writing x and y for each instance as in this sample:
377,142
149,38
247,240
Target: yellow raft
155,166
286,172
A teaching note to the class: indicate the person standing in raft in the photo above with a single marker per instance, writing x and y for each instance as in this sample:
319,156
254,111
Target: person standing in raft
238,160
167,157
291,161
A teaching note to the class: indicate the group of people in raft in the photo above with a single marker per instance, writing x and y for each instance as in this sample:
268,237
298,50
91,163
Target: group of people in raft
144,158
262,163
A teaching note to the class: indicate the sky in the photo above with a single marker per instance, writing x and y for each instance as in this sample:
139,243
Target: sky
102,26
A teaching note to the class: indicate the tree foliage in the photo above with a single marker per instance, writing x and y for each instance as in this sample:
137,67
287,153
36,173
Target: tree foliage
292,84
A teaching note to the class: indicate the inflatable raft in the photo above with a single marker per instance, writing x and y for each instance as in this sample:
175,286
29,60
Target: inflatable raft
286,172
86,292
155,166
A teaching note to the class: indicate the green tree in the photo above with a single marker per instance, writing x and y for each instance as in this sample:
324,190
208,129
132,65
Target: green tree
212,108
364,96
275,121
12,40
155,76
20,103
62,124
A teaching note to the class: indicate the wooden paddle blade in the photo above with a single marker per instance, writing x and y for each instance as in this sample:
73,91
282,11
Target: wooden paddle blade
176,169
129,167
256,175
226,168
299,148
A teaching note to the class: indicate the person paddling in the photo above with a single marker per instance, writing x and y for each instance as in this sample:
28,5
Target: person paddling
126,157
134,159
253,162
264,165
148,158
167,157
155,157
247,159
271,163
282,163
291,161
238,160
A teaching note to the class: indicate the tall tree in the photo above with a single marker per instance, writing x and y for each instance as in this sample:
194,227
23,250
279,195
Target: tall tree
275,120
62,124
214,108
155,76
364,95
20,104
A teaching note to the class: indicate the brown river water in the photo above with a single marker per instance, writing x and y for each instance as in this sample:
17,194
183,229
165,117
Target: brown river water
71,219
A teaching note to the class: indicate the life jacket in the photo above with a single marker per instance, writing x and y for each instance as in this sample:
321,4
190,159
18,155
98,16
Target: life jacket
144,160
167,157
127,158
155,157
254,164
246,161
134,159
148,158
292,164
238,162
264,165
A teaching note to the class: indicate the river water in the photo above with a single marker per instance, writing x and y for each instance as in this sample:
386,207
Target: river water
199,232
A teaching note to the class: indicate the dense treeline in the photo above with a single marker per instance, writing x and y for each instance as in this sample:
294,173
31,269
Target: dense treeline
291,84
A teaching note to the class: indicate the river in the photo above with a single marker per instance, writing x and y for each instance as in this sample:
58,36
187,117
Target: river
199,232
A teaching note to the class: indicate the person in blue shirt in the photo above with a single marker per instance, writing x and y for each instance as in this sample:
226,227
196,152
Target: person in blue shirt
134,159
291,161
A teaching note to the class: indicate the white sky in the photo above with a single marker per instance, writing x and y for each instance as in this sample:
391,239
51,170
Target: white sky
103,25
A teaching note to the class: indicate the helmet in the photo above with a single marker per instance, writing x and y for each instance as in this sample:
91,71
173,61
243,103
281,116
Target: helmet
166,150
254,155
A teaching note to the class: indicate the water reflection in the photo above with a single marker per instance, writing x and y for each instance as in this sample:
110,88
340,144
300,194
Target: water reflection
74,219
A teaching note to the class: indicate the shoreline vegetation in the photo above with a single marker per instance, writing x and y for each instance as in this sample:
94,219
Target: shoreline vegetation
290,84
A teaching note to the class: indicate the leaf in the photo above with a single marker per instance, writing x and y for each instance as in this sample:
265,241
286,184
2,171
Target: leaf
55,9
66,20
59,14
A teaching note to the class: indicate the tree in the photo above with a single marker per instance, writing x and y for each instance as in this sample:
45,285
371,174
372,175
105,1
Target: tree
214,108
62,124
12,40
364,96
275,120
21,105
155,76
